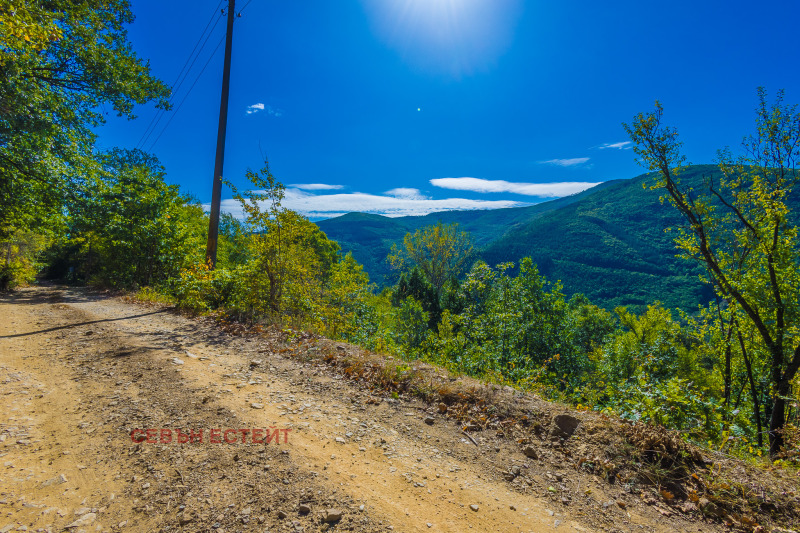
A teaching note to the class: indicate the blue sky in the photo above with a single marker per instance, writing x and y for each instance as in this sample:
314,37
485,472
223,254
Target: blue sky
411,106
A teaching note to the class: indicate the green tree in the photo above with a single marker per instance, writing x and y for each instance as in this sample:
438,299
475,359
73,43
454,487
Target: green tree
290,257
415,285
347,312
411,325
232,250
21,257
28,23
590,324
62,63
742,231
128,228
729,347
441,251
513,327
649,370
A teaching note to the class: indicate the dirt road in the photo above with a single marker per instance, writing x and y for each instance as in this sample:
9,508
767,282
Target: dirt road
80,372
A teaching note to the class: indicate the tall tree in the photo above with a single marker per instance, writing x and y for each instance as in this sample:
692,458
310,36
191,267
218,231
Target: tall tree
141,230
742,231
62,64
290,257
415,285
441,251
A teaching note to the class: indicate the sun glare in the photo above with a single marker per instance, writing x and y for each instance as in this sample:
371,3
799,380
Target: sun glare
454,36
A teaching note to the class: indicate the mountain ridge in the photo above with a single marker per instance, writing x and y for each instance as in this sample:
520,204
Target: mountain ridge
608,242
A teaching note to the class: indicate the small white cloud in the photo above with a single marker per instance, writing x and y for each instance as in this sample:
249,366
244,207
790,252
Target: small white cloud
255,108
316,186
566,162
406,193
623,145
544,190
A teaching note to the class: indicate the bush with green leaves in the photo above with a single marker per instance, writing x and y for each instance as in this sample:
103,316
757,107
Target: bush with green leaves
20,257
650,370
411,326
514,328
128,228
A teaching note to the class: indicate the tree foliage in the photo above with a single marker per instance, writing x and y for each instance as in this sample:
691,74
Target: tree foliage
440,251
62,63
741,230
519,328
126,227
290,258
649,370
413,284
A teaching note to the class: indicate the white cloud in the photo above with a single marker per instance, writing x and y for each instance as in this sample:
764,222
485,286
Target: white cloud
274,111
545,190
316,186
566,162
255,108
623,145
406,193
331,205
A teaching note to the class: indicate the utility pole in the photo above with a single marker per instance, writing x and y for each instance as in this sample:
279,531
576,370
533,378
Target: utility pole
216,189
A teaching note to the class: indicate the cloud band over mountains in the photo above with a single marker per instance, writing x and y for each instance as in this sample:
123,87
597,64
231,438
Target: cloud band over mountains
319,200
395,203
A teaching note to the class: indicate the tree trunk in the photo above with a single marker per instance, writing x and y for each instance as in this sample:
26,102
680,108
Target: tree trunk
727,377
753,391
778,418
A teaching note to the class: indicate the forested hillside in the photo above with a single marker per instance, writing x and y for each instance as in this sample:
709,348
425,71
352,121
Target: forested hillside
370,237
608,242
613,246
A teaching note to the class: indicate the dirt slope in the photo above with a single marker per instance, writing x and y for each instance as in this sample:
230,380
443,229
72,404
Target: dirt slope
79,372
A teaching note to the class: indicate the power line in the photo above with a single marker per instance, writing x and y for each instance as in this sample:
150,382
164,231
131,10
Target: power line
162,113
180,84
245,7
214,14
181,75
187,93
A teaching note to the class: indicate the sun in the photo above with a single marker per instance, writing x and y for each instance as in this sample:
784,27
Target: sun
455,36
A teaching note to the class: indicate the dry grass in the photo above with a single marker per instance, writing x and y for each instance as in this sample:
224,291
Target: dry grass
664,470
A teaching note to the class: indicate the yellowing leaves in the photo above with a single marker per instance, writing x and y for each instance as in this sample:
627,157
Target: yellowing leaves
29,23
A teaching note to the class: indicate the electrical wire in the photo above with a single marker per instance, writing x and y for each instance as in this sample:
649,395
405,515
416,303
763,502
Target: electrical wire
187,93
157,120
245,7
213,15
176,85
162,113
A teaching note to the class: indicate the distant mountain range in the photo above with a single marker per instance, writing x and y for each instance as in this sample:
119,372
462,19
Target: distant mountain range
608,242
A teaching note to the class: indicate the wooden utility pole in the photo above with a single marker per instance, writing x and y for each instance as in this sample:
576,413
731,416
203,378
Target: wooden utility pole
216,188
